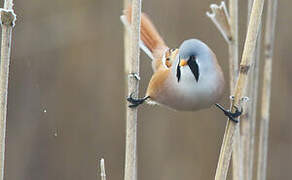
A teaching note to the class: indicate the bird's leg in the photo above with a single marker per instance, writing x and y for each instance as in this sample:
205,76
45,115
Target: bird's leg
229,114
136,101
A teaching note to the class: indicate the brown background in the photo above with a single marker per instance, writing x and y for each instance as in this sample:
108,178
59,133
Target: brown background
66,105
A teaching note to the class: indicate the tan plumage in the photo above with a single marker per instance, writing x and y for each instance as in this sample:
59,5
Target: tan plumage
154,42
195,84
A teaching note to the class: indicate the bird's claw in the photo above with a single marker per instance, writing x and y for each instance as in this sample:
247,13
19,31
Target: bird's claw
136,101
232,116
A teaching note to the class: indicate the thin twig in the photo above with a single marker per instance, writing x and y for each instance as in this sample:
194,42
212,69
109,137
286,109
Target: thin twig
220,18
266,91
102,170
7,21
249,47
133,83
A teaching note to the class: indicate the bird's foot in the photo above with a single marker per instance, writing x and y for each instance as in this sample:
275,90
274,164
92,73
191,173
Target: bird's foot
136,101
232,116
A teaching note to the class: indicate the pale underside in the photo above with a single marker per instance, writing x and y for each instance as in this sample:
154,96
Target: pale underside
186,94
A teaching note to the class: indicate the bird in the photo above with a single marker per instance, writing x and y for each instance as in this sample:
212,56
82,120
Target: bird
187,78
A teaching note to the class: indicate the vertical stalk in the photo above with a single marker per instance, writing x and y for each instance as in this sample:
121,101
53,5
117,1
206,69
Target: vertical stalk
249,47
126,43
248,119
7,19
102,170
254,99
133,83
266,91
233,44
233,73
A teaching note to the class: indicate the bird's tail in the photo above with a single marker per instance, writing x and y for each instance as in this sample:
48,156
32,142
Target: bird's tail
149,35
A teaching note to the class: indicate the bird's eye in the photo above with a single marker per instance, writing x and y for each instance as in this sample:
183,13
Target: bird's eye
171,50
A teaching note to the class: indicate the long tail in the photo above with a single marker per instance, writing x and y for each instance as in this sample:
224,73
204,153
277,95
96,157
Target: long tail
149,35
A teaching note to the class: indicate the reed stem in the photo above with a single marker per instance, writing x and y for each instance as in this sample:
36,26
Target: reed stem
7,19
233,45
266,90
133,83
102,170
248,119
126,43
233,74
231,128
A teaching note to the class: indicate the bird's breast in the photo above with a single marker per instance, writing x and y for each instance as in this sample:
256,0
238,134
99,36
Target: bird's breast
189,94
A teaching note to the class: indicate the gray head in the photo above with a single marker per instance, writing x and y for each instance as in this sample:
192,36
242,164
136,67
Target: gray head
191,52
192,47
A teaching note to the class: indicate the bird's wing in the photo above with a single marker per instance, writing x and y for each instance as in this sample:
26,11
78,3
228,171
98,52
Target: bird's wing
157,84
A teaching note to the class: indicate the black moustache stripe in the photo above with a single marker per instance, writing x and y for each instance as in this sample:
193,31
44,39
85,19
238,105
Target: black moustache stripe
192,63
178,73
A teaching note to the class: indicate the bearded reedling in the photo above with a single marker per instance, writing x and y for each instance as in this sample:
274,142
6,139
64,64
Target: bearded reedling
187,78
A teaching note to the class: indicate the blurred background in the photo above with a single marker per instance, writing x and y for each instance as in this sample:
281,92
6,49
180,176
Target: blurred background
66,103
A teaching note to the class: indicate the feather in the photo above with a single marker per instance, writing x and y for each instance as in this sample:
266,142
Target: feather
141,44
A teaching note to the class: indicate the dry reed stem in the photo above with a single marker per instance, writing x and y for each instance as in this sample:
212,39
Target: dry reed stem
248,119
126,43
266,91
102,170
254,101
233,46
249,47
249,158
228,26
233,74
7,21
133,83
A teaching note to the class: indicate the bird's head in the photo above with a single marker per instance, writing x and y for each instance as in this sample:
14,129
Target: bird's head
193,54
